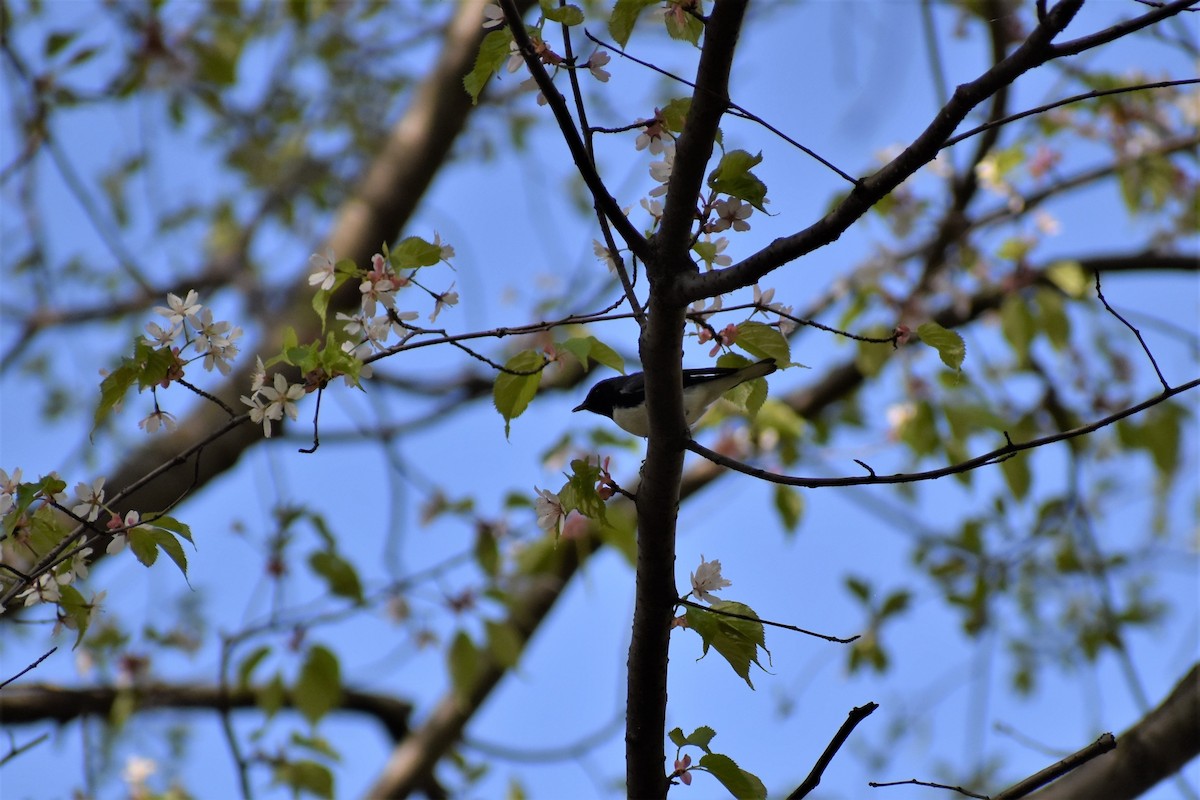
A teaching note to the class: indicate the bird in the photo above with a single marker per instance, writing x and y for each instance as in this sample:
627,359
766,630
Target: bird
623,398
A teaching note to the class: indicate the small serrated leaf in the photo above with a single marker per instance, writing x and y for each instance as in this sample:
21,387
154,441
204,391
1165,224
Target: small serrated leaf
623,17
733,177
950,345
763,341
741,784
511,392
167,542
143,545
493,51
566,15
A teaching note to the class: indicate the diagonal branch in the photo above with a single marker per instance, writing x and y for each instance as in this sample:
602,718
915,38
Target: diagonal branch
566,125
1154,748
1035,51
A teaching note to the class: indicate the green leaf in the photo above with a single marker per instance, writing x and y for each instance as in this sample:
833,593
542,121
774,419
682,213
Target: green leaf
790,505
1069,277
76,612
741,784
1162,435
504,643
511,393
683,26
147,367
580,494
624,15
676,737
308,777
171,546
567,15
950,346
339,574
701,737
493,51
464,664
1016,322
143,545
737,640
895,603
318,690
859,588
734,178
1017,476
57,41
271,696
763,341
487,550
250,663
414,252
871,357
589,348
1052,317
674,114
174,526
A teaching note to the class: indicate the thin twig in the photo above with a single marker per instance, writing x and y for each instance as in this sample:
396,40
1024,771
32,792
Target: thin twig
748,618
931,785
1009,450
1153,362
741,111
856,716
31,667
1065,101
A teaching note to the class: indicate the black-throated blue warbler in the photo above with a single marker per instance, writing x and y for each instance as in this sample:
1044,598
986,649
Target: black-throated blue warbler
623,398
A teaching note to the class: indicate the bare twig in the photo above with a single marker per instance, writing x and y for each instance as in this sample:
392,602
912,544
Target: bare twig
734,108
856,716
930,784
1065,101
1153,361
1010,449
1055,771
723,613
31,667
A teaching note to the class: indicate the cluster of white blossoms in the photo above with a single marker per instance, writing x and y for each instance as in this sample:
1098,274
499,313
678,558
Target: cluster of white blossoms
86,506
269,403
213,341
373,327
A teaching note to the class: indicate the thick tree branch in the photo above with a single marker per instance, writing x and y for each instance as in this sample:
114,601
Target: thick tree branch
1154,748
377,211
25,704
411,764
710,101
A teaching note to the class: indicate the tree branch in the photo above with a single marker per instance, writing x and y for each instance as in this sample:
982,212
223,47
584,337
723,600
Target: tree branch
41,702
1036,50
1154,748
856,716
992,457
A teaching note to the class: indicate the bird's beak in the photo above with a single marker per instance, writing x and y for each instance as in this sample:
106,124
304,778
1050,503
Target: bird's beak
578,408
